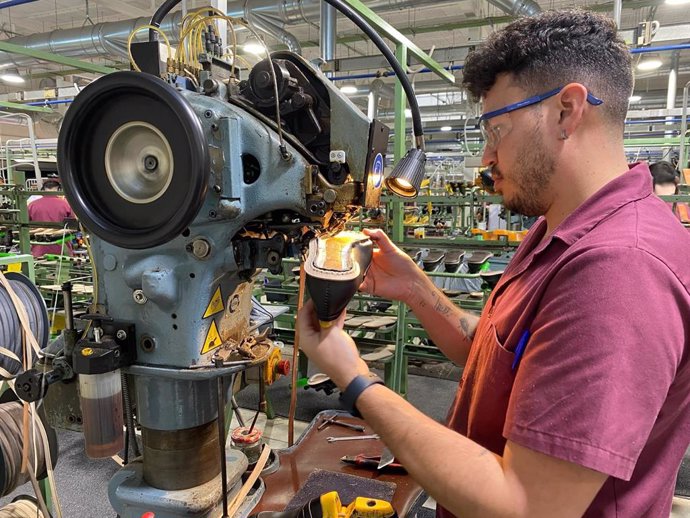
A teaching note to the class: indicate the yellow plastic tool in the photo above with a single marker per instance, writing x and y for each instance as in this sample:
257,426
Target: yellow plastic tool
362,507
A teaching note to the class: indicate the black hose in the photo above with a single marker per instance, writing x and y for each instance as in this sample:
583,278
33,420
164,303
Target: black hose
158,16
360,22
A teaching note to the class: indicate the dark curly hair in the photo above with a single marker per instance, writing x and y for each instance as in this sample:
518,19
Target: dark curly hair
664,172
553,49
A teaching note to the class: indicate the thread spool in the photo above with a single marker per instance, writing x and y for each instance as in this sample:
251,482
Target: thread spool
11,445
10,326
22,507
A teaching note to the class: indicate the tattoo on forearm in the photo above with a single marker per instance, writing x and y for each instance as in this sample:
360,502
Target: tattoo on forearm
440,307
465,326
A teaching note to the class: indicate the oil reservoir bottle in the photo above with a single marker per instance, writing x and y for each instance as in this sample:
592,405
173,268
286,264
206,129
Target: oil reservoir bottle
100,396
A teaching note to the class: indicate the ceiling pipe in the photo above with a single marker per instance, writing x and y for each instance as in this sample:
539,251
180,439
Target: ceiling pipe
327,32
12,3
102,39
264,24
109,38
517,7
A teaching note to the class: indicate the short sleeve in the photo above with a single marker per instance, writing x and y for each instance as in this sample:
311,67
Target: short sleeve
605,346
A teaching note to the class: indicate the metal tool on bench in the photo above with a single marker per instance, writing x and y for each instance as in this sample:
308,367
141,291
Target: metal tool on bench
371,437
334,420
371,461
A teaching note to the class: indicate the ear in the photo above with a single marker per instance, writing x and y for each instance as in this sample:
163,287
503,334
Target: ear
572,103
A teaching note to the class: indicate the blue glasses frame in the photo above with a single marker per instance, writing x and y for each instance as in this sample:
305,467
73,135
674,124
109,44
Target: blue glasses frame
535,99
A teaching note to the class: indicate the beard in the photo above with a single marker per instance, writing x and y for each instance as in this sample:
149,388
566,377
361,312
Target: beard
531,177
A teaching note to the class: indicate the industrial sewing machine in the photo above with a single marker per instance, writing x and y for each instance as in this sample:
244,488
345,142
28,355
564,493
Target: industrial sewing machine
186,194
189,183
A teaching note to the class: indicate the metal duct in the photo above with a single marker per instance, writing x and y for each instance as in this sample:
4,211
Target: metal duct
327,33
517,7
103,39
264,24
110,38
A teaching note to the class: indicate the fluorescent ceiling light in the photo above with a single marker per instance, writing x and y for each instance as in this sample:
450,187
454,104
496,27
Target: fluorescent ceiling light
11,78
635,98
349,89
446,128
677,2
408,113
649,64
254,48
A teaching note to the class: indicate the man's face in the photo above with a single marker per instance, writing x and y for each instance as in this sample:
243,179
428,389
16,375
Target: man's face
522,167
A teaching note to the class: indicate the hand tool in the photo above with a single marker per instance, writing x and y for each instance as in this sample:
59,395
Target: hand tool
369,461
354,438
334,420
387,458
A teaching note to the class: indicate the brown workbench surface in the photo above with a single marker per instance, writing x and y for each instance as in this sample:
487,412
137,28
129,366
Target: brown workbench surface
312,452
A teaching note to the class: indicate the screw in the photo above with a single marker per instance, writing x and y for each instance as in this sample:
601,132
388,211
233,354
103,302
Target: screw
211,213
214,126
121,334
208,114
139,297
217,189
201,248
150,163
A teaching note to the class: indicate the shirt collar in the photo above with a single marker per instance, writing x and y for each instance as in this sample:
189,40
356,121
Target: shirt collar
634,185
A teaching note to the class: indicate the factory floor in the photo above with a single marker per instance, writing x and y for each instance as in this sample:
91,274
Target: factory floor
83,483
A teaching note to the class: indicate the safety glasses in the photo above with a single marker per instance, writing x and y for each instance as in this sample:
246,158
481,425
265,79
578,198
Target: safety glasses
491,133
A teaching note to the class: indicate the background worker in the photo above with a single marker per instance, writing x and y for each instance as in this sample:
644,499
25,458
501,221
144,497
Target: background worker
53,209
571,404
666,179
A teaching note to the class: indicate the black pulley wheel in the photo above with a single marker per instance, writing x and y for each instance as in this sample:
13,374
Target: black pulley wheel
133,160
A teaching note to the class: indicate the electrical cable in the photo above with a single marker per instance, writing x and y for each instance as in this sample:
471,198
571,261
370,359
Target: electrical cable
394,63
283,149
158,16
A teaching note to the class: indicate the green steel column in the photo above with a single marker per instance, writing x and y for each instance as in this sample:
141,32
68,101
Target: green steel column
399,366
19,179
400,103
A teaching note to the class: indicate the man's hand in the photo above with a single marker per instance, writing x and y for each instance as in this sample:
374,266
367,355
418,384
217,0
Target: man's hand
392,270
331,348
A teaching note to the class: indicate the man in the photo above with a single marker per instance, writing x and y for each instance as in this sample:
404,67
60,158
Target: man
50,208
573,402
666,179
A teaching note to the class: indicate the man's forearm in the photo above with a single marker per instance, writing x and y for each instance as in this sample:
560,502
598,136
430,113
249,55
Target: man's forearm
451,328
458,473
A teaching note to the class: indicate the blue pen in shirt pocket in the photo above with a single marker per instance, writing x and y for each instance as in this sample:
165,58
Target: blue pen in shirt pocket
520,349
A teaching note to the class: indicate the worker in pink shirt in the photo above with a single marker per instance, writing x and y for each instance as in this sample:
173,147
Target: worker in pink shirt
574,399
53,209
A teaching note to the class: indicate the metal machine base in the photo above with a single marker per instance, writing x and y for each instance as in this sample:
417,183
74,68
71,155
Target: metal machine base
131,496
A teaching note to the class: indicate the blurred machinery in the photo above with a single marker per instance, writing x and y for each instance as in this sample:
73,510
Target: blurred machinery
188,188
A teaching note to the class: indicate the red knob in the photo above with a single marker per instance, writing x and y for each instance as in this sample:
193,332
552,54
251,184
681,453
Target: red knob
283,367
148,514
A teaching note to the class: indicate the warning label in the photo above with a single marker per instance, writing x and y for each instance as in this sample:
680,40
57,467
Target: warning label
212,338
216,304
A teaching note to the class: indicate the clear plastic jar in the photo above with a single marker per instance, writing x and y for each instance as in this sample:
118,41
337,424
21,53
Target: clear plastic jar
100,396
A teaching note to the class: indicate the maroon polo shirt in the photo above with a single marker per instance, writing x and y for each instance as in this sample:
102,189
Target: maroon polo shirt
50,208
604,380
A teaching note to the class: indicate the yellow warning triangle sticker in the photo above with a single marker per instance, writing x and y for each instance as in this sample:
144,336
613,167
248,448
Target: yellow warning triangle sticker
212,338
216,304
